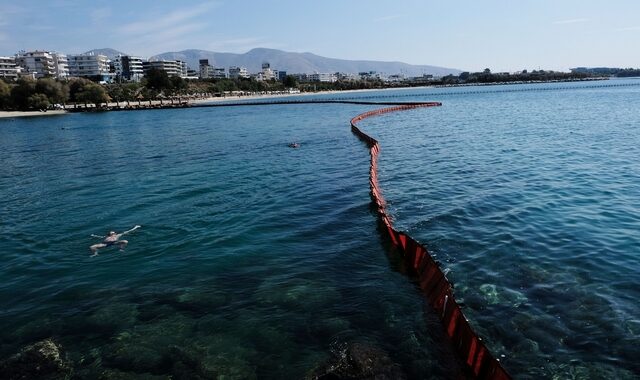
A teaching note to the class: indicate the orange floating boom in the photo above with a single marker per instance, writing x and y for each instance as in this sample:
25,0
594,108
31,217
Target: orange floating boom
435,286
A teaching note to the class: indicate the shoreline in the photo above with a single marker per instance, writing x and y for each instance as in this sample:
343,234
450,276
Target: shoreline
217,99
10,114
333,92
156,104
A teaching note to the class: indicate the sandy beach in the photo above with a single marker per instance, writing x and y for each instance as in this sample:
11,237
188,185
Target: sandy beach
7,114
144,104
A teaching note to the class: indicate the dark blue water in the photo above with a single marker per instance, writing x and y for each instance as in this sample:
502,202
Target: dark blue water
254,259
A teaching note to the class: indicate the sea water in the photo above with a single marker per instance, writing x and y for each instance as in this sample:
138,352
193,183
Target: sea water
254,259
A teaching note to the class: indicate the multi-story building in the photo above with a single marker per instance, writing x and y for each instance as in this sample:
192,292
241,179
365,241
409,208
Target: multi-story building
347,76
281,75
172,68
205,69
301,77
369,75
322,77
192,74
8,68
218,73
90,66
236,72
61,64
267,73
128,67
208,71
43,63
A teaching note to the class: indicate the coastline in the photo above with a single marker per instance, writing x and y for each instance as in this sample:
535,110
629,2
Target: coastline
390,89
10,114
186,103
284,95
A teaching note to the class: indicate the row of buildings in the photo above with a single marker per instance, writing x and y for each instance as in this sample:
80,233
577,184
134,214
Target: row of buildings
267,73
39,64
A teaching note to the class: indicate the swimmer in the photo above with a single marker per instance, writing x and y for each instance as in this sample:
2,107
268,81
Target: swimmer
294,145
112,238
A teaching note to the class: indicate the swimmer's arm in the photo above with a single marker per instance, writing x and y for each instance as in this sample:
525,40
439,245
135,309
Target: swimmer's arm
131,230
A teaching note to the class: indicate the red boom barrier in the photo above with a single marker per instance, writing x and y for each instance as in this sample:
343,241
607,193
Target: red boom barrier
436,287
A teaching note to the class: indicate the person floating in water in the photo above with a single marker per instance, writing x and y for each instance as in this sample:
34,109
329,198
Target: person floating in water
112,238
294,145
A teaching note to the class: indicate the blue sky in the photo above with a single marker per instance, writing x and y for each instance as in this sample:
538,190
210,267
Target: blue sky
470,35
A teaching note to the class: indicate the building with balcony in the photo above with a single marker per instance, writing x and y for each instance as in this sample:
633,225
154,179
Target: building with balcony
61,65
322,77
172,68
267,72
91,66
42,64
8,68
128,68
208,71
236,72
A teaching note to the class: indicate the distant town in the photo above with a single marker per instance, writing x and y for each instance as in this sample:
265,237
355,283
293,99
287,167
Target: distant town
98,67
41,80
129,68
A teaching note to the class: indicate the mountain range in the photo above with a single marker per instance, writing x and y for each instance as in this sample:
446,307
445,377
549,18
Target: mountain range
292,62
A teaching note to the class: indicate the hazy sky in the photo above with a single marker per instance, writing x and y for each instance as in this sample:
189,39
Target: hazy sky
465,34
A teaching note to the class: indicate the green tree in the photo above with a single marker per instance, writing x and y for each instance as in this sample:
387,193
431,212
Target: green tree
21,92
93,93
38,101
178,85
290,81
5,95
130,91
76,86
157,79
56,92
116,92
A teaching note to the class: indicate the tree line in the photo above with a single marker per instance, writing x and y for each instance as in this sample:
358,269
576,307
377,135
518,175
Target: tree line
487,76
44,93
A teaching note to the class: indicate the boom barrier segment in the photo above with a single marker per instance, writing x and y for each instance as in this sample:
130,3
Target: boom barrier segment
436,288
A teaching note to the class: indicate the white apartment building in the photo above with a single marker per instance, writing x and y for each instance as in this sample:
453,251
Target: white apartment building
236,72
128,67
43,63
90,66
322,77
172,68
61,64
8,68
267,73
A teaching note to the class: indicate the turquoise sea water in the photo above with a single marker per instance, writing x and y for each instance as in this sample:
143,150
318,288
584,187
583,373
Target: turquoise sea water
255,259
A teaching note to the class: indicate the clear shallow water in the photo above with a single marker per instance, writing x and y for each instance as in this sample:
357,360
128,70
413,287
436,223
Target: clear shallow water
255,258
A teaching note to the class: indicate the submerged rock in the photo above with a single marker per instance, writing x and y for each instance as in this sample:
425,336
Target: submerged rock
358,361
505,296
301,294
41,360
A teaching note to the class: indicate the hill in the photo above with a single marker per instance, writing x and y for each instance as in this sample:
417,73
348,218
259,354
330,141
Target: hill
300,62
111,53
